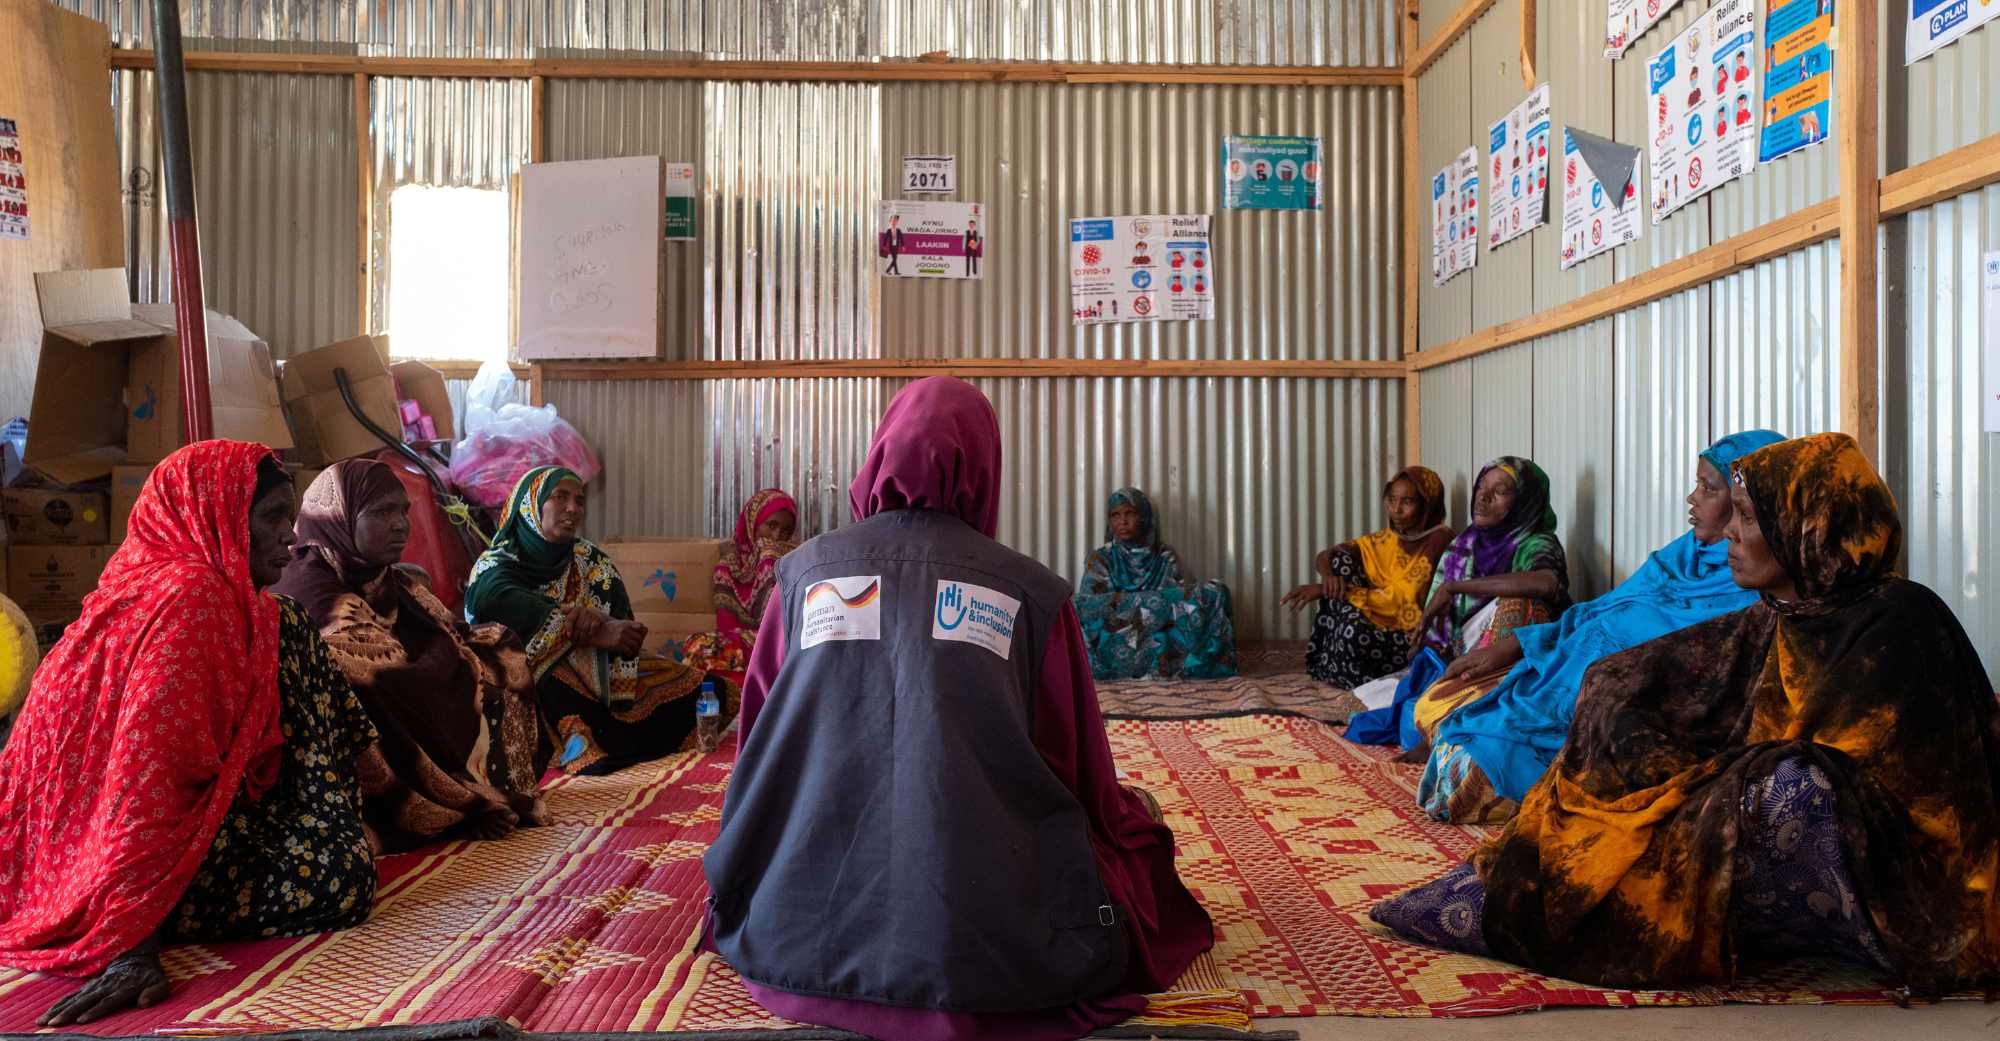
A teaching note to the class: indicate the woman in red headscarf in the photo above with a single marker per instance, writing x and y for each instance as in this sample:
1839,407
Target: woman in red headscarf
919,711
766,530
183,766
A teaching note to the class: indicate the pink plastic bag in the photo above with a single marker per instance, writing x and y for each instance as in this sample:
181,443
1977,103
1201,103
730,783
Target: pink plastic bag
490,461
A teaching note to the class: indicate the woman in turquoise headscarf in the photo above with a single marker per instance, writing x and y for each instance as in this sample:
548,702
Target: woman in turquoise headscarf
1515,696
604,703
1139,618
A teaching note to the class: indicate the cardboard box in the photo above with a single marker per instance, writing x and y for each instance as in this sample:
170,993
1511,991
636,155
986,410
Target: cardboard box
110,374
50,582
667,630
55,517
126,481
668,575
424,385
326,431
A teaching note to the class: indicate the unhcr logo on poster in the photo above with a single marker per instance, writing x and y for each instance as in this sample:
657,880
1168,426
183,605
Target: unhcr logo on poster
972,614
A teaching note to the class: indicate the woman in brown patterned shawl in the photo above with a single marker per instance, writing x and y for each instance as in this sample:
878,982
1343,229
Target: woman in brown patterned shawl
1644,857
454,703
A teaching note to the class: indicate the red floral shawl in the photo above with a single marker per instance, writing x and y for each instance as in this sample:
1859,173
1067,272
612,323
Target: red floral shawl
154,710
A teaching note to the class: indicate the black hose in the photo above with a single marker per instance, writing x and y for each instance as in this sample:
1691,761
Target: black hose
475,540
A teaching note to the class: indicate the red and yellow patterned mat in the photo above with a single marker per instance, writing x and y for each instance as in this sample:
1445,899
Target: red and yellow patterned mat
1287,835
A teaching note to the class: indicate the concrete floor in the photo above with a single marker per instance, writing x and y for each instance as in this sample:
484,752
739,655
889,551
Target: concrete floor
1950,1021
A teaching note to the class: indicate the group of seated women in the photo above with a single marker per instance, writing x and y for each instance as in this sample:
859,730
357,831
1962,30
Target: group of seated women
200,759
1693,772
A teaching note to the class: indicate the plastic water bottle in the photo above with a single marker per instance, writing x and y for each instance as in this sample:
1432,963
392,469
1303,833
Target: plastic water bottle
708,717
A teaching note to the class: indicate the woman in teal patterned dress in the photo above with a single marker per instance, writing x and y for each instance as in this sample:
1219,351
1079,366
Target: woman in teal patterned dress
605,704
1139,617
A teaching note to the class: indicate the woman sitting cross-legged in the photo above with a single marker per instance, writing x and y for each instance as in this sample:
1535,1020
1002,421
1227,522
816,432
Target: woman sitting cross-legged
766,530
184,766
1371,590
604,703
1817,773
1500,713
454,703
925,838
1504,571
1140,618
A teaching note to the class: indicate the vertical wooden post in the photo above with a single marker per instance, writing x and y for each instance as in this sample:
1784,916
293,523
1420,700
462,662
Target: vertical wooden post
1528,43
537,393
1412,221
364,204
1857,88
538,119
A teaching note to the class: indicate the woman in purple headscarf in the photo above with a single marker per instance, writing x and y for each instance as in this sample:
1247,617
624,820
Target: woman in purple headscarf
925,838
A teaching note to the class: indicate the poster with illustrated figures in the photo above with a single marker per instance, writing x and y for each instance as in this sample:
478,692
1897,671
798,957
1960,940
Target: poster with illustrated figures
1702,100
1518,160
1798,76
1600,196
1628,20
1140,269
1455,217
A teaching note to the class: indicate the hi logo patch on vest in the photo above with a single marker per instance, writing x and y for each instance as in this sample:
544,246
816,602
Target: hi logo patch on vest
976,615
842,609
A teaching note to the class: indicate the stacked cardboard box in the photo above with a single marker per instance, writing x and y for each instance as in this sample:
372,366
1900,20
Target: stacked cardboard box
670,582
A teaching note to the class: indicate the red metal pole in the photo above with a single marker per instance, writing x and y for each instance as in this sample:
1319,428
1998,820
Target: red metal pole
170,81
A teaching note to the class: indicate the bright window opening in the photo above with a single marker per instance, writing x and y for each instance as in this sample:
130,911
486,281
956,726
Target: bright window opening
448,250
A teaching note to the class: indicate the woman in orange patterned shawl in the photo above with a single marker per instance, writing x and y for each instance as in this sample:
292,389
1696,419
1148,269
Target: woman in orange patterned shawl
1642,858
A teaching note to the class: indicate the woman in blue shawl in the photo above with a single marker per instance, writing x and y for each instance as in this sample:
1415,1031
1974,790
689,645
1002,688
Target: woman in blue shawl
1492,747
1139,618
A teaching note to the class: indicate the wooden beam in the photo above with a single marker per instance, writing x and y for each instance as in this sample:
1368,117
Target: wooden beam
364,202
824,71
538,119
1528,43
537,386
971,368
1410,280
1856,89
1777,238
1454,27
1948,176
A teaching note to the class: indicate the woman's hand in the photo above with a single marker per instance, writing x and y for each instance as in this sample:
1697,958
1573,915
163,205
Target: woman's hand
134,979
1497,656
1303,597
1440,602
588,626
630,638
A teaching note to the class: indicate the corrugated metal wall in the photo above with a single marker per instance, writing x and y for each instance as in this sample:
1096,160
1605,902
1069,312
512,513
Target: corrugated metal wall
790,176
1253,475
1231,32
1620,407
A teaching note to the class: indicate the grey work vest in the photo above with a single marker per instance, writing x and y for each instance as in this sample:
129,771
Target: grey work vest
891,834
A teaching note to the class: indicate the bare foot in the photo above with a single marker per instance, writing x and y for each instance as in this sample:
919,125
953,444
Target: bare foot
1421,753
487,827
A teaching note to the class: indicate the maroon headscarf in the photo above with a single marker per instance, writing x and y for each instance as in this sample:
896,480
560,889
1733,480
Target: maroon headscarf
938,448
325,561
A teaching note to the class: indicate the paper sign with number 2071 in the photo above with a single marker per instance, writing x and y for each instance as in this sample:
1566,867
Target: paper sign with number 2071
930,174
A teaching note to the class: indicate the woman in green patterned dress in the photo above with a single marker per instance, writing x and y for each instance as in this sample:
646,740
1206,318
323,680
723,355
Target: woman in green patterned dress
605,704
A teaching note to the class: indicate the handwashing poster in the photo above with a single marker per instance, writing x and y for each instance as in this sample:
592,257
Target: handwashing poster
1140,269
1270,173
1628,20
1798,76
1702,95
928,239
1518,147
1455,217
1600,196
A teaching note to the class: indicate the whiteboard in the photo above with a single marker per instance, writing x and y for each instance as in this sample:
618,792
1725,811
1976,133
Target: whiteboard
589,268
